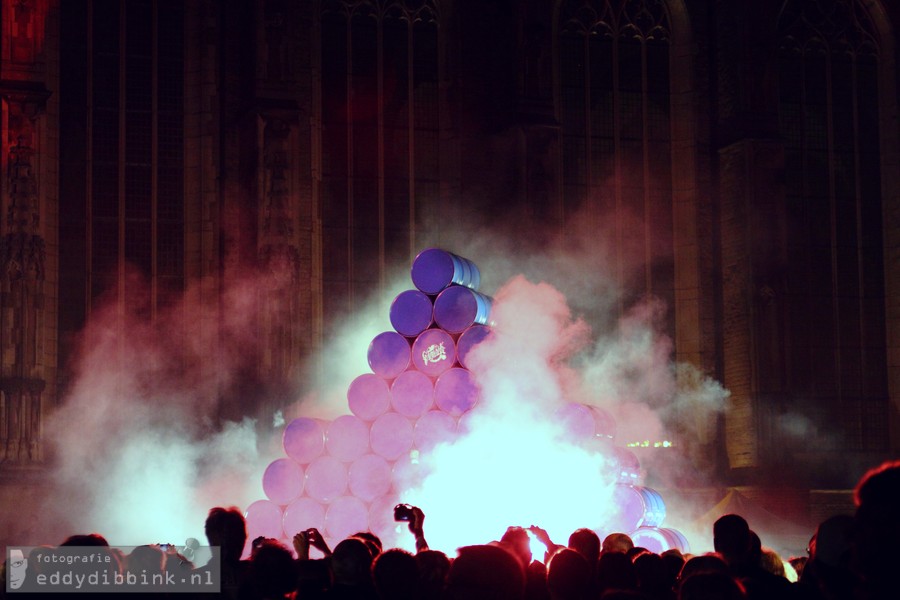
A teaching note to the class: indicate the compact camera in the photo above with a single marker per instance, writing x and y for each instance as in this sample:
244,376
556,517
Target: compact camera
403,512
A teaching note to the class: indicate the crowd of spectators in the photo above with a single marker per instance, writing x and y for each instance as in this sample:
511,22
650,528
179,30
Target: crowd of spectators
852,557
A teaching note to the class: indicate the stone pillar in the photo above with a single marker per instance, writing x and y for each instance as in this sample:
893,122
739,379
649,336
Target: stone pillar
22,275
750,193
283,194
279,254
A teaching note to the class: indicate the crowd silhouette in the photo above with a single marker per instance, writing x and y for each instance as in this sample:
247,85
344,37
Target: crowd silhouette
853,557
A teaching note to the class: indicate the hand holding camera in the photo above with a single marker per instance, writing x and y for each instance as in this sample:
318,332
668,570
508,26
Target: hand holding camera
310,537
416,519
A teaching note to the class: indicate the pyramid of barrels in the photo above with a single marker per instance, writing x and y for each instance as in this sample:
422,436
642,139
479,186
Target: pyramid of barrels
346,475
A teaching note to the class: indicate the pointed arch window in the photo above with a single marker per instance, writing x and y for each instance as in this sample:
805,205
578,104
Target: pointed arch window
121,203
379,116
616,141
829,121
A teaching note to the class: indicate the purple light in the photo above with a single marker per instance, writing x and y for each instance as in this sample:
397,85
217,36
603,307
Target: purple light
468,339
411,313
388,354
457,308
434,269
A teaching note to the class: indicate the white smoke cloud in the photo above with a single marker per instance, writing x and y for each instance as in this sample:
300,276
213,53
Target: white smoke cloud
517,465
137,454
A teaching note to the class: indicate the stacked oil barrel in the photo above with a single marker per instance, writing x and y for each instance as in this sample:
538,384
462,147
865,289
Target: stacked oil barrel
637,510
345,475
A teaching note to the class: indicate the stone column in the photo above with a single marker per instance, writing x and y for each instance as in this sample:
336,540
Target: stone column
22,275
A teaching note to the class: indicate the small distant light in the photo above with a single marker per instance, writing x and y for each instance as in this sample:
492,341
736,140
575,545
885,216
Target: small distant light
278,419
649,444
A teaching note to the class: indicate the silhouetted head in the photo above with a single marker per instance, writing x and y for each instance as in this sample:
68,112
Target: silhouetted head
372,540
517,541
833,543
754,553
617,542
272,571
569,575
485,572
704,563
89,539
226,528
434,566
731,538
586,542
615,571
877,523
351,561
653,579
396,574
673,560
771,561
146,559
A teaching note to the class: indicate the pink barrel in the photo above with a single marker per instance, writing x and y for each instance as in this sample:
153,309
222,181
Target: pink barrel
302,514
586,421
370,477
347,438
391,435
326,479
408,472
638,506
434,269
468,339
455,391
433,428
627,466
304,439
660,539
283,480
368,396
412,393
388,354
433,352
457,308
344,517
411,313
264,519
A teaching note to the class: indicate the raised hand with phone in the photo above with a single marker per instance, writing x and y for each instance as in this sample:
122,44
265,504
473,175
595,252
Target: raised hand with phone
310,537
416,519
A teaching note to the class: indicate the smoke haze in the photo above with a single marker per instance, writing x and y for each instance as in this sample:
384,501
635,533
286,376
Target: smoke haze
140,444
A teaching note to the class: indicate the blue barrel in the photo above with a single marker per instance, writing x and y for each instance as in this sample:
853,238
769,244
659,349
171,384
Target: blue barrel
468,339
660,539
638,506
411,313
435,269
388,354
458,308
